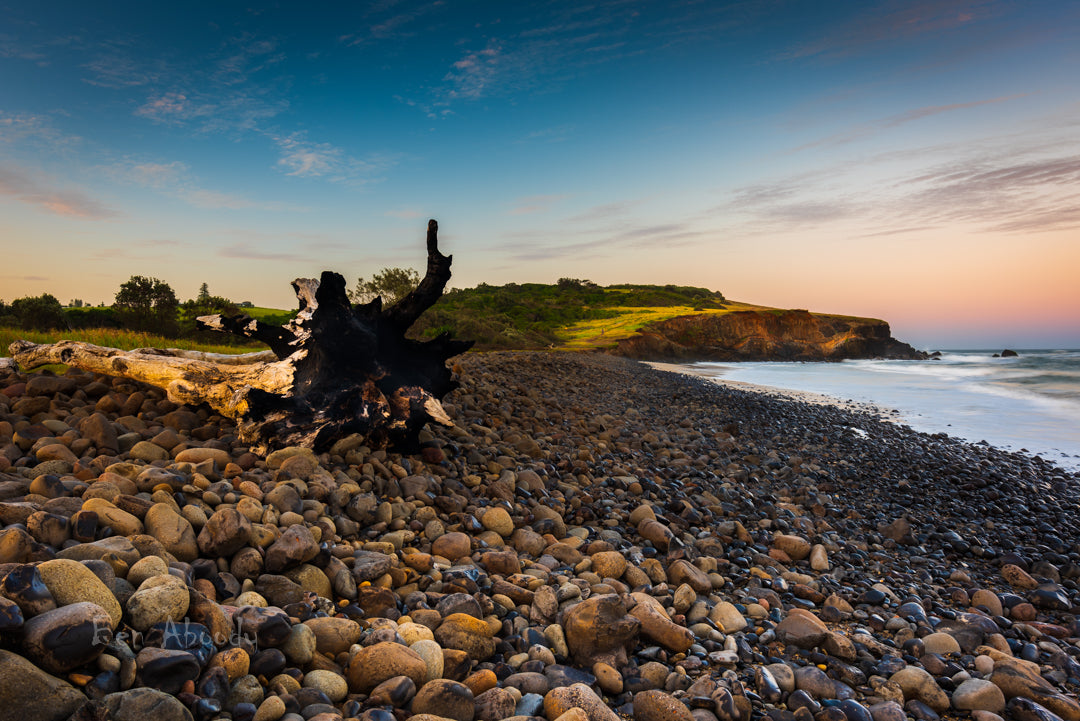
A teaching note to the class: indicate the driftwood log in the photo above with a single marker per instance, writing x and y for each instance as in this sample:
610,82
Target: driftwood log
335,370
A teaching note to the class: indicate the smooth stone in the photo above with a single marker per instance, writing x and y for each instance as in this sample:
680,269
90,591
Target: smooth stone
29,694
173,531
432,654
977,694
940,643
374,664
725,615
71,582
560,700
659,706
446,698
495,704
334,686
166,670
24,586
157,600
67,637
396,691
466,633
917,684
140,704
599,630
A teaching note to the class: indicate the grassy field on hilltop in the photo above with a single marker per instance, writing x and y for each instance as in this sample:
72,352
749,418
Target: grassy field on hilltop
569,315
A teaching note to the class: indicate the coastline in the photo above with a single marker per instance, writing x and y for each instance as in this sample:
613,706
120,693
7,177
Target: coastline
796,395
592,532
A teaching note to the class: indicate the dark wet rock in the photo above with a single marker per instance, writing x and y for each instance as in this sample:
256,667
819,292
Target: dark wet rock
446,698
166,670
29,694
68,637
269,626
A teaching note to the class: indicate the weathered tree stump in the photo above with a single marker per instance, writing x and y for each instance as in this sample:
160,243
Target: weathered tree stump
336,369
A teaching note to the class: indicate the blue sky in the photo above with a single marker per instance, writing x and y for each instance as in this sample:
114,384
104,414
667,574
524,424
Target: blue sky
917,161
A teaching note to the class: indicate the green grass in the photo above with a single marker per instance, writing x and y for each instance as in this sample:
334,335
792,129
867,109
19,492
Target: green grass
606,332
115,338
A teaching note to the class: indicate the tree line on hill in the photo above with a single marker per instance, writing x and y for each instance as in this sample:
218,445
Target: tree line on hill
141,304
511,316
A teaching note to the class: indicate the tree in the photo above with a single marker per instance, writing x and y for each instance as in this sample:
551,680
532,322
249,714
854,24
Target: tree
42,312
391,284
148,304
204,304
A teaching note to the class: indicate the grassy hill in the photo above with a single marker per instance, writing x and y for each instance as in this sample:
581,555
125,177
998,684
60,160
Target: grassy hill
570,314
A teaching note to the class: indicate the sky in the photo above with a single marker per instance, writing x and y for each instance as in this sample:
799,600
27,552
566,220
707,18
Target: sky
912,160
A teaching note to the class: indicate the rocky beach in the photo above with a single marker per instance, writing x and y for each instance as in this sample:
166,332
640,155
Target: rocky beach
594,539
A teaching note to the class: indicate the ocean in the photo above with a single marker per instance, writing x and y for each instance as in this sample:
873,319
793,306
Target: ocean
1030,403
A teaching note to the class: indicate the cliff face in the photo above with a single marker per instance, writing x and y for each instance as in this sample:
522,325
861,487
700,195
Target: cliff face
751,335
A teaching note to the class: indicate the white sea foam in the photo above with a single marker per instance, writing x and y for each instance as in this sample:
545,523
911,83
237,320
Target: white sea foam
1029,402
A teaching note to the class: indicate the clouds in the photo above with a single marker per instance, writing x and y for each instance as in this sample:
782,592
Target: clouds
175,179
864,130
894,22
1010,190
303,158
28,186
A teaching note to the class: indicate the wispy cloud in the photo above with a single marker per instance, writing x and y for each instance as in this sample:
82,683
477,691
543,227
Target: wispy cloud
119,71
387,23
474,75
29,128
899,21
249,251
304,158
176,180
867,129
28,186
1012,190
535,204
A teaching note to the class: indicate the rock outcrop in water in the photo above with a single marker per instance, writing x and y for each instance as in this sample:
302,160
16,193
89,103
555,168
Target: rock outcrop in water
766,335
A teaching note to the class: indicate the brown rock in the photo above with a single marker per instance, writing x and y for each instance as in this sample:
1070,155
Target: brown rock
795,547
801,628
333,635
374,664
656,625
609,564
452,545
1018,577
659,706
225,533
30,694
683,571
560,700
445,698
599,630
297,545
466,633
173,530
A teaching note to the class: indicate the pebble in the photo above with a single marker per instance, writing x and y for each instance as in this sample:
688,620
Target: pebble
592,536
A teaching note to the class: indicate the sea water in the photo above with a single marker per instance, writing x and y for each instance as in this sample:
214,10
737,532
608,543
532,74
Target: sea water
1028,403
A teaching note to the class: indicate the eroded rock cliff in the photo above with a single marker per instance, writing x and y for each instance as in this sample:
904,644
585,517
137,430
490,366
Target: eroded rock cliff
765,335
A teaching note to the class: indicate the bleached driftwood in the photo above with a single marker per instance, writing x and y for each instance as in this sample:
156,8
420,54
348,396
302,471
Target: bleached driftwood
336,369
